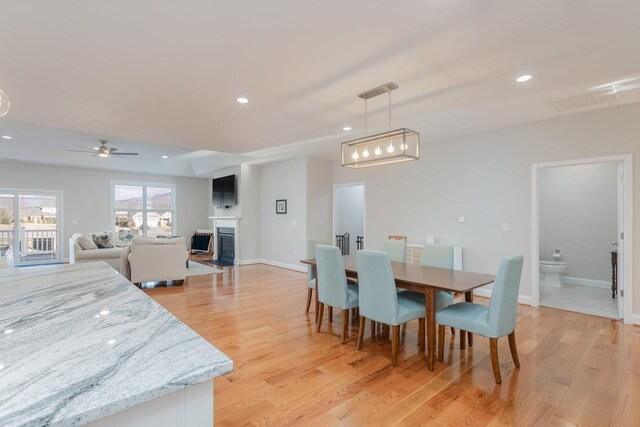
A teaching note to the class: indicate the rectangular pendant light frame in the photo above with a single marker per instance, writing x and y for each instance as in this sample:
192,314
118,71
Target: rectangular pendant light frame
408,138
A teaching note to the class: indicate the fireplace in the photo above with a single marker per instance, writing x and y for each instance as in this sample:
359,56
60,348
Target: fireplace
226,245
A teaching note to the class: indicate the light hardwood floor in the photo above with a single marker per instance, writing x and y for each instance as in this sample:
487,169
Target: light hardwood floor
576,369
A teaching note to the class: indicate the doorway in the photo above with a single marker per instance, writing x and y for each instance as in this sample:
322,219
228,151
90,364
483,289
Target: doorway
30,230
579,257
349,218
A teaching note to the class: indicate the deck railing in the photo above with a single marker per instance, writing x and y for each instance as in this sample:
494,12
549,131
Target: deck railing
38,242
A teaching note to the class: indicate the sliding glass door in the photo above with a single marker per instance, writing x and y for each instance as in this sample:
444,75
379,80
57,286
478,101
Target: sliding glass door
29,226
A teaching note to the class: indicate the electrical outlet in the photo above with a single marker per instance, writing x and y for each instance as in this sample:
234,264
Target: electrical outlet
505,226
294,222
461,218
295,251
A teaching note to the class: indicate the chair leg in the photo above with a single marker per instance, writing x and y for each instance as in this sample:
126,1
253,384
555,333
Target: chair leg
453,331
463,339
330,314
495,364
362,323
373,329
421,342
320,313
441,343
309,296
395,337
514,349
404,330
345,325
317,306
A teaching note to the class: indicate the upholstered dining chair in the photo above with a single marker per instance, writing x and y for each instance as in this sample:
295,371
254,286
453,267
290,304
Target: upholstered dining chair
332,287
494,321
311,272
380,302
396,250
437,256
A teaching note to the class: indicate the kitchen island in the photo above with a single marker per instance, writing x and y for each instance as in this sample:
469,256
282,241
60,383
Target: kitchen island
80,344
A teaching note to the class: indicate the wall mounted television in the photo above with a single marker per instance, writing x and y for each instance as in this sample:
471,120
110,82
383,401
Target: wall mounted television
225,192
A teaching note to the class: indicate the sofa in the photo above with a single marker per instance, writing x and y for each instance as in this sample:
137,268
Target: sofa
83,248
155,260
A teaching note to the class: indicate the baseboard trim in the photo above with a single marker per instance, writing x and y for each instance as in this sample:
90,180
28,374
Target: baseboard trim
522,299
586,282
273,263
635,318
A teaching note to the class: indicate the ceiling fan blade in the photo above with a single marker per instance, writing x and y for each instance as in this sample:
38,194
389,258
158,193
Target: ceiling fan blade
81,151
124,154
111,150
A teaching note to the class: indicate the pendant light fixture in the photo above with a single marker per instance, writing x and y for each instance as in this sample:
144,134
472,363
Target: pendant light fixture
4,104
393,146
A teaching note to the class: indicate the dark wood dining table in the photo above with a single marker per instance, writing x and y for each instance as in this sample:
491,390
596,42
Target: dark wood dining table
429,281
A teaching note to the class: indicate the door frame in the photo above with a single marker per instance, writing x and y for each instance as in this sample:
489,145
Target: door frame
59,222
364,208
627,206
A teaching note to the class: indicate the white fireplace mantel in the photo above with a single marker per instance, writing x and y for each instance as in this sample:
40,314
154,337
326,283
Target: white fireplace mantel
227,222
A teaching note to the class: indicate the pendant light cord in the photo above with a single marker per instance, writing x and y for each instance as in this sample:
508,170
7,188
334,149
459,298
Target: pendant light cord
389,115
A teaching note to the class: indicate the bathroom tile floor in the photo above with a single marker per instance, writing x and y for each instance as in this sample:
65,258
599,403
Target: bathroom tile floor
581,299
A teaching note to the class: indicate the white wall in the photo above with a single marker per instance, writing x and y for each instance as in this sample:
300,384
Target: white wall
319,198
487,178
283,237
87,195
578,215
349,213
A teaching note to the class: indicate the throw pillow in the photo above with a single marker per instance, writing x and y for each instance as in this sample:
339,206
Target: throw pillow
126,235
103,241
86,243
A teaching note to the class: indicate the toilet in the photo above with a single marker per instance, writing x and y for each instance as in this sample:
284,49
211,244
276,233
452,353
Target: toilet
552,272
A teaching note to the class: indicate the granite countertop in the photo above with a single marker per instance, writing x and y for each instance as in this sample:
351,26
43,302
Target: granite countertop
80,342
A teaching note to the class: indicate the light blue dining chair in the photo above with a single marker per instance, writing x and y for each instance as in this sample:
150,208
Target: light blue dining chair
380,302
438,256
494,321
396,250
311,272
332,288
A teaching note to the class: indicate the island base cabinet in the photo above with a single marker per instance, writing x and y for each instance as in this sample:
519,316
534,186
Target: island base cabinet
190,407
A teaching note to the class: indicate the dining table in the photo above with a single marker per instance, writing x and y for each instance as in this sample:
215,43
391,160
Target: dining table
428,281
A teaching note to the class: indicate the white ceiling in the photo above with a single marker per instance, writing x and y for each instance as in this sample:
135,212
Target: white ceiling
161,77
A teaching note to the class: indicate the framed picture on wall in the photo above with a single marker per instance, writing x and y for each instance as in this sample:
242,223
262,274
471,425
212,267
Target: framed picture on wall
281,206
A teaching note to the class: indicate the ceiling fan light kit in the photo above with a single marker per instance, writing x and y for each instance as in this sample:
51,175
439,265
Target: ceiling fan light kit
104,151
393,146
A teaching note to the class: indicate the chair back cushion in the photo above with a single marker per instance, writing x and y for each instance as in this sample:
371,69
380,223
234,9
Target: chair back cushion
377,288
311,253
332,279
504,297
437,255
140,240
396,250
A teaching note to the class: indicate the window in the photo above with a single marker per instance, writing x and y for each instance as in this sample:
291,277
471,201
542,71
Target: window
141,209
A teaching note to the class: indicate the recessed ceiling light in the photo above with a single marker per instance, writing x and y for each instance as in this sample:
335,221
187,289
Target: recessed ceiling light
524,78
165,157
346,128
242,100
6,136
96,148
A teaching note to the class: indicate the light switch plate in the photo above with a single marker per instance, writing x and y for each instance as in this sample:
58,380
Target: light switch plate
74,221
505,226
294,222
461,218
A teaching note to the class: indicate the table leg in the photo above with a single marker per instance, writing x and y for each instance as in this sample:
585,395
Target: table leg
430,301
468,297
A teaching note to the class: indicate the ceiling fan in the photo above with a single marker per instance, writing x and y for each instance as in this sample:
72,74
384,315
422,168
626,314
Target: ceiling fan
104,151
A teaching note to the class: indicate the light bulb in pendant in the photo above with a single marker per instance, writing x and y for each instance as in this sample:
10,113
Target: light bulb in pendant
390,148
365,153
378,151
355,154
403,147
